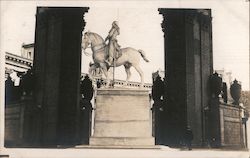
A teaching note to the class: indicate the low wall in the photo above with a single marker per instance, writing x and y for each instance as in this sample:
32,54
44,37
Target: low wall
231,127
22,123
14,124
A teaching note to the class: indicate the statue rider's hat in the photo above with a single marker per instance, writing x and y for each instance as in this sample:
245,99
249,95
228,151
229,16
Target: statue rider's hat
115,23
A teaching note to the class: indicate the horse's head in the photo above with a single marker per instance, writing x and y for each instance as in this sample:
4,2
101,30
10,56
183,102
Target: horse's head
86,40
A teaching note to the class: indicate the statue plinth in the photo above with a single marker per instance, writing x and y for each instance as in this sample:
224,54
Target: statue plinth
122,117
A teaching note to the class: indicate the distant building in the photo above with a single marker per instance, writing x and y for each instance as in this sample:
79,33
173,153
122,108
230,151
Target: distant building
19,64
16,63
226,76
27,51
228,79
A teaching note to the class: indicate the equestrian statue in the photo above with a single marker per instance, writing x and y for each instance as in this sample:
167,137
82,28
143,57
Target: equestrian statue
111,55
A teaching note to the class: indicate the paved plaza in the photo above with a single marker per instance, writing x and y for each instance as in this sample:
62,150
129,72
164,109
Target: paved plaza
161,152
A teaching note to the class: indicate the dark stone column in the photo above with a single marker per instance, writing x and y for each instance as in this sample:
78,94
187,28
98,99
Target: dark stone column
206,58
57,65
187,72
175,74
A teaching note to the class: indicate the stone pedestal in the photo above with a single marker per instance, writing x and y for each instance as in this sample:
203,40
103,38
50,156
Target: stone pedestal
122,118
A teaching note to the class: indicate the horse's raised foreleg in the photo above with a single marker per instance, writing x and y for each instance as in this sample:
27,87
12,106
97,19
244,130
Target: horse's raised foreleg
139,70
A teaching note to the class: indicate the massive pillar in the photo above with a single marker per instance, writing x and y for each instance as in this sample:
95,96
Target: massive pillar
188,65
57,65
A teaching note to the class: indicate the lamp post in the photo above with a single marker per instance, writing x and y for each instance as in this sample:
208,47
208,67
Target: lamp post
113,82
244,121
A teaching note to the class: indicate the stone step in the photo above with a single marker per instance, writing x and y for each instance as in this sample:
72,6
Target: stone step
118,147
122,141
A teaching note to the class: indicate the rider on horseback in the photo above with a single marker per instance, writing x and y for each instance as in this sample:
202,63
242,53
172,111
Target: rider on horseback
113,46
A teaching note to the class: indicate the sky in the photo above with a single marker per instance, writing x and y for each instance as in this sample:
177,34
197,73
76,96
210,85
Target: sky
140,28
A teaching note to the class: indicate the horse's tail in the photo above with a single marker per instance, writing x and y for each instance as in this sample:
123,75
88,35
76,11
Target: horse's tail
143,55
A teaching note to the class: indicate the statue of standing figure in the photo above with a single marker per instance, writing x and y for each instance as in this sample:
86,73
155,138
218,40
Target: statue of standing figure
113,46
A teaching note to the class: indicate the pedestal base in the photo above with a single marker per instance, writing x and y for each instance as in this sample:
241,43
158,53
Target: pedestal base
122,117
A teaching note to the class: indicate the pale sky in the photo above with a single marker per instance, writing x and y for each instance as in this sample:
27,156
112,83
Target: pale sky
140,28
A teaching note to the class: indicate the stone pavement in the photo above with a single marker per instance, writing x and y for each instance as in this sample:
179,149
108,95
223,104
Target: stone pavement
162,152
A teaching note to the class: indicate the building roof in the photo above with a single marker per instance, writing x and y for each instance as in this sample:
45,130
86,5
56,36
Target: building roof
28,45
17,62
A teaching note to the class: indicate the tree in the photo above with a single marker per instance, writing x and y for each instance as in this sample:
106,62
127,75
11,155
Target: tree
245,99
